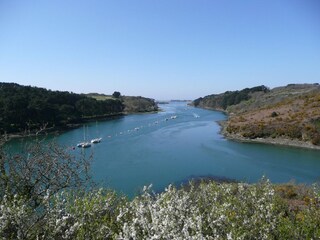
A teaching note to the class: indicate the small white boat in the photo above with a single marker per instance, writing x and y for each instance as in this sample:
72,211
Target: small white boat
84,145
96,140
173,117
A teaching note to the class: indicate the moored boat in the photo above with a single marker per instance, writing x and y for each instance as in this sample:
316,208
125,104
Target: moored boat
84,145
96,140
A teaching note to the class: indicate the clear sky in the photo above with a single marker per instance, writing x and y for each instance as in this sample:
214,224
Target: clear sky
162,49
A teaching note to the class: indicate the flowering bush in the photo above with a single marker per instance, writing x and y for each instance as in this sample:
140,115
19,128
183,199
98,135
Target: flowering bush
201,211
15,217
89,215
209,211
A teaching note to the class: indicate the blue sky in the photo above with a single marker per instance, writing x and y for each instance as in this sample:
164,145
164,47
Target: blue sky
162,49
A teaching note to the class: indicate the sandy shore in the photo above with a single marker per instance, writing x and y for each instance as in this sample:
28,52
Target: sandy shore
269,140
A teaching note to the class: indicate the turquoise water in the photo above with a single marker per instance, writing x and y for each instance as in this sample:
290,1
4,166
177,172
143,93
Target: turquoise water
168,151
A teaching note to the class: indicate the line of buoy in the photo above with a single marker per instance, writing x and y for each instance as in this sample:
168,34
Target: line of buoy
98,140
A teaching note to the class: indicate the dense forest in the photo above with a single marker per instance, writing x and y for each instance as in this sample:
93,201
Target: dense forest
26,108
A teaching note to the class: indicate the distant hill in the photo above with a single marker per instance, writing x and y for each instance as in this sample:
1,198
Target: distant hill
224,100
139,104
26,109
132,104
291,112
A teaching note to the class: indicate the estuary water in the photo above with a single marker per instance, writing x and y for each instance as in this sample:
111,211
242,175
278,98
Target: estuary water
180,143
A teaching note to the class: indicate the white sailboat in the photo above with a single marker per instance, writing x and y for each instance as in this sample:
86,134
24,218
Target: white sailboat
84,144
96,140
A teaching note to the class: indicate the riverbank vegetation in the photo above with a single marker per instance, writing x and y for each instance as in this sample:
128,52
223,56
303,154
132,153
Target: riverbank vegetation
46,194
284,113
26,109
208,211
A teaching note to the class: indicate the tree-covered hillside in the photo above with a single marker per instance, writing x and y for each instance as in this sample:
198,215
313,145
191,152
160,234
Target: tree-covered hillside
132,104
139,104
229,98
26,108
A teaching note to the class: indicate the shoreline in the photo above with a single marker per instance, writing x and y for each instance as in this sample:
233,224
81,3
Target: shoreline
67,127
271,141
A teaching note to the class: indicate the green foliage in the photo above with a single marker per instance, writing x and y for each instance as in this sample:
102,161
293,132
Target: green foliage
116,94
85,215
197,101
229,98
25,108
139,104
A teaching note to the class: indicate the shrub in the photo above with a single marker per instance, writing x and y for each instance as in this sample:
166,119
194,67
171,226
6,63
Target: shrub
202,211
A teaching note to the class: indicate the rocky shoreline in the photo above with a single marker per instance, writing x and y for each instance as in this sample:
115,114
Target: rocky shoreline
273,141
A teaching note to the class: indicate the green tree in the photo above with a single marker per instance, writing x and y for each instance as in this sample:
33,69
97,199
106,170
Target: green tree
116,94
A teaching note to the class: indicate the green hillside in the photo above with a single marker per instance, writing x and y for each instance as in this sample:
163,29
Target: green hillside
132,104
25,109
229,98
